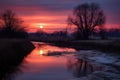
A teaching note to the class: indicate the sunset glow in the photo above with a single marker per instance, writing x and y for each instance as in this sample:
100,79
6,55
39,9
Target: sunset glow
41,26
41,52
59,39
54,15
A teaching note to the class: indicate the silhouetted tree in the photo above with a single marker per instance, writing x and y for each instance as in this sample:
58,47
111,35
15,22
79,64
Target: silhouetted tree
11,25
86,17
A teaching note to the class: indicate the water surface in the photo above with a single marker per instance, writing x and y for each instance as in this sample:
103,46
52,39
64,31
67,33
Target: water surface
47,62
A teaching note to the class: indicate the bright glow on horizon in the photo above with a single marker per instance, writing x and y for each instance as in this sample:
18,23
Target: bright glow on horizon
41,52
41,26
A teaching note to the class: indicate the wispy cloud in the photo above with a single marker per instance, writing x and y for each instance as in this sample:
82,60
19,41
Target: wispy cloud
56,11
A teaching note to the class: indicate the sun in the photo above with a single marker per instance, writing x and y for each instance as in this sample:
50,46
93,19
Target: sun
41,52
41,26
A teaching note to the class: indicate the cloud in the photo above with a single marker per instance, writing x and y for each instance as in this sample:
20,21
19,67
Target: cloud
49,9
46,4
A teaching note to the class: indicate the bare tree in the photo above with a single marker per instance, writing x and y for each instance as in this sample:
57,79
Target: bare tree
86,17
11,25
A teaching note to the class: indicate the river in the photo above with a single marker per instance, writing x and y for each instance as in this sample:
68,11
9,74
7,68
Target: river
47,62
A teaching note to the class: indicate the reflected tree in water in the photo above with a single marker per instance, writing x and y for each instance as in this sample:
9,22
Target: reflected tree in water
79,67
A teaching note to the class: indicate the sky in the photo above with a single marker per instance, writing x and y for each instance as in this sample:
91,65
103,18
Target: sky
53,14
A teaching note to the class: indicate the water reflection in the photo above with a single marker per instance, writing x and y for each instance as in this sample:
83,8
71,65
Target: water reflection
79,67
48,62
12,54
47,50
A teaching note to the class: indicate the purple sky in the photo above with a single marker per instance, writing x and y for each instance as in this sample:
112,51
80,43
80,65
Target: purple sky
53,13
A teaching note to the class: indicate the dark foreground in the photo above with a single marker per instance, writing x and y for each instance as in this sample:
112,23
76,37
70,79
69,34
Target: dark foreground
12,53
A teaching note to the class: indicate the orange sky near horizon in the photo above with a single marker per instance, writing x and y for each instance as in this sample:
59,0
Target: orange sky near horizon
52,23
57,20
53,14
49,23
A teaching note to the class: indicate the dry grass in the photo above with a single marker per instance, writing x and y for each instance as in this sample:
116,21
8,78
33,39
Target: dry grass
102,45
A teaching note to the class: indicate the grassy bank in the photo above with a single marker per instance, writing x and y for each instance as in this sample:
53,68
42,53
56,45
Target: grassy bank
12,53
102,45
15,45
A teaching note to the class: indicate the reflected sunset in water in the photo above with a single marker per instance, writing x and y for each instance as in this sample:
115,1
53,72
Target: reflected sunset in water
47,67
48,62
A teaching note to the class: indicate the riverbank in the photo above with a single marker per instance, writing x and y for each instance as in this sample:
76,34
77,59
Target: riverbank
12,54
15,44
101,45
